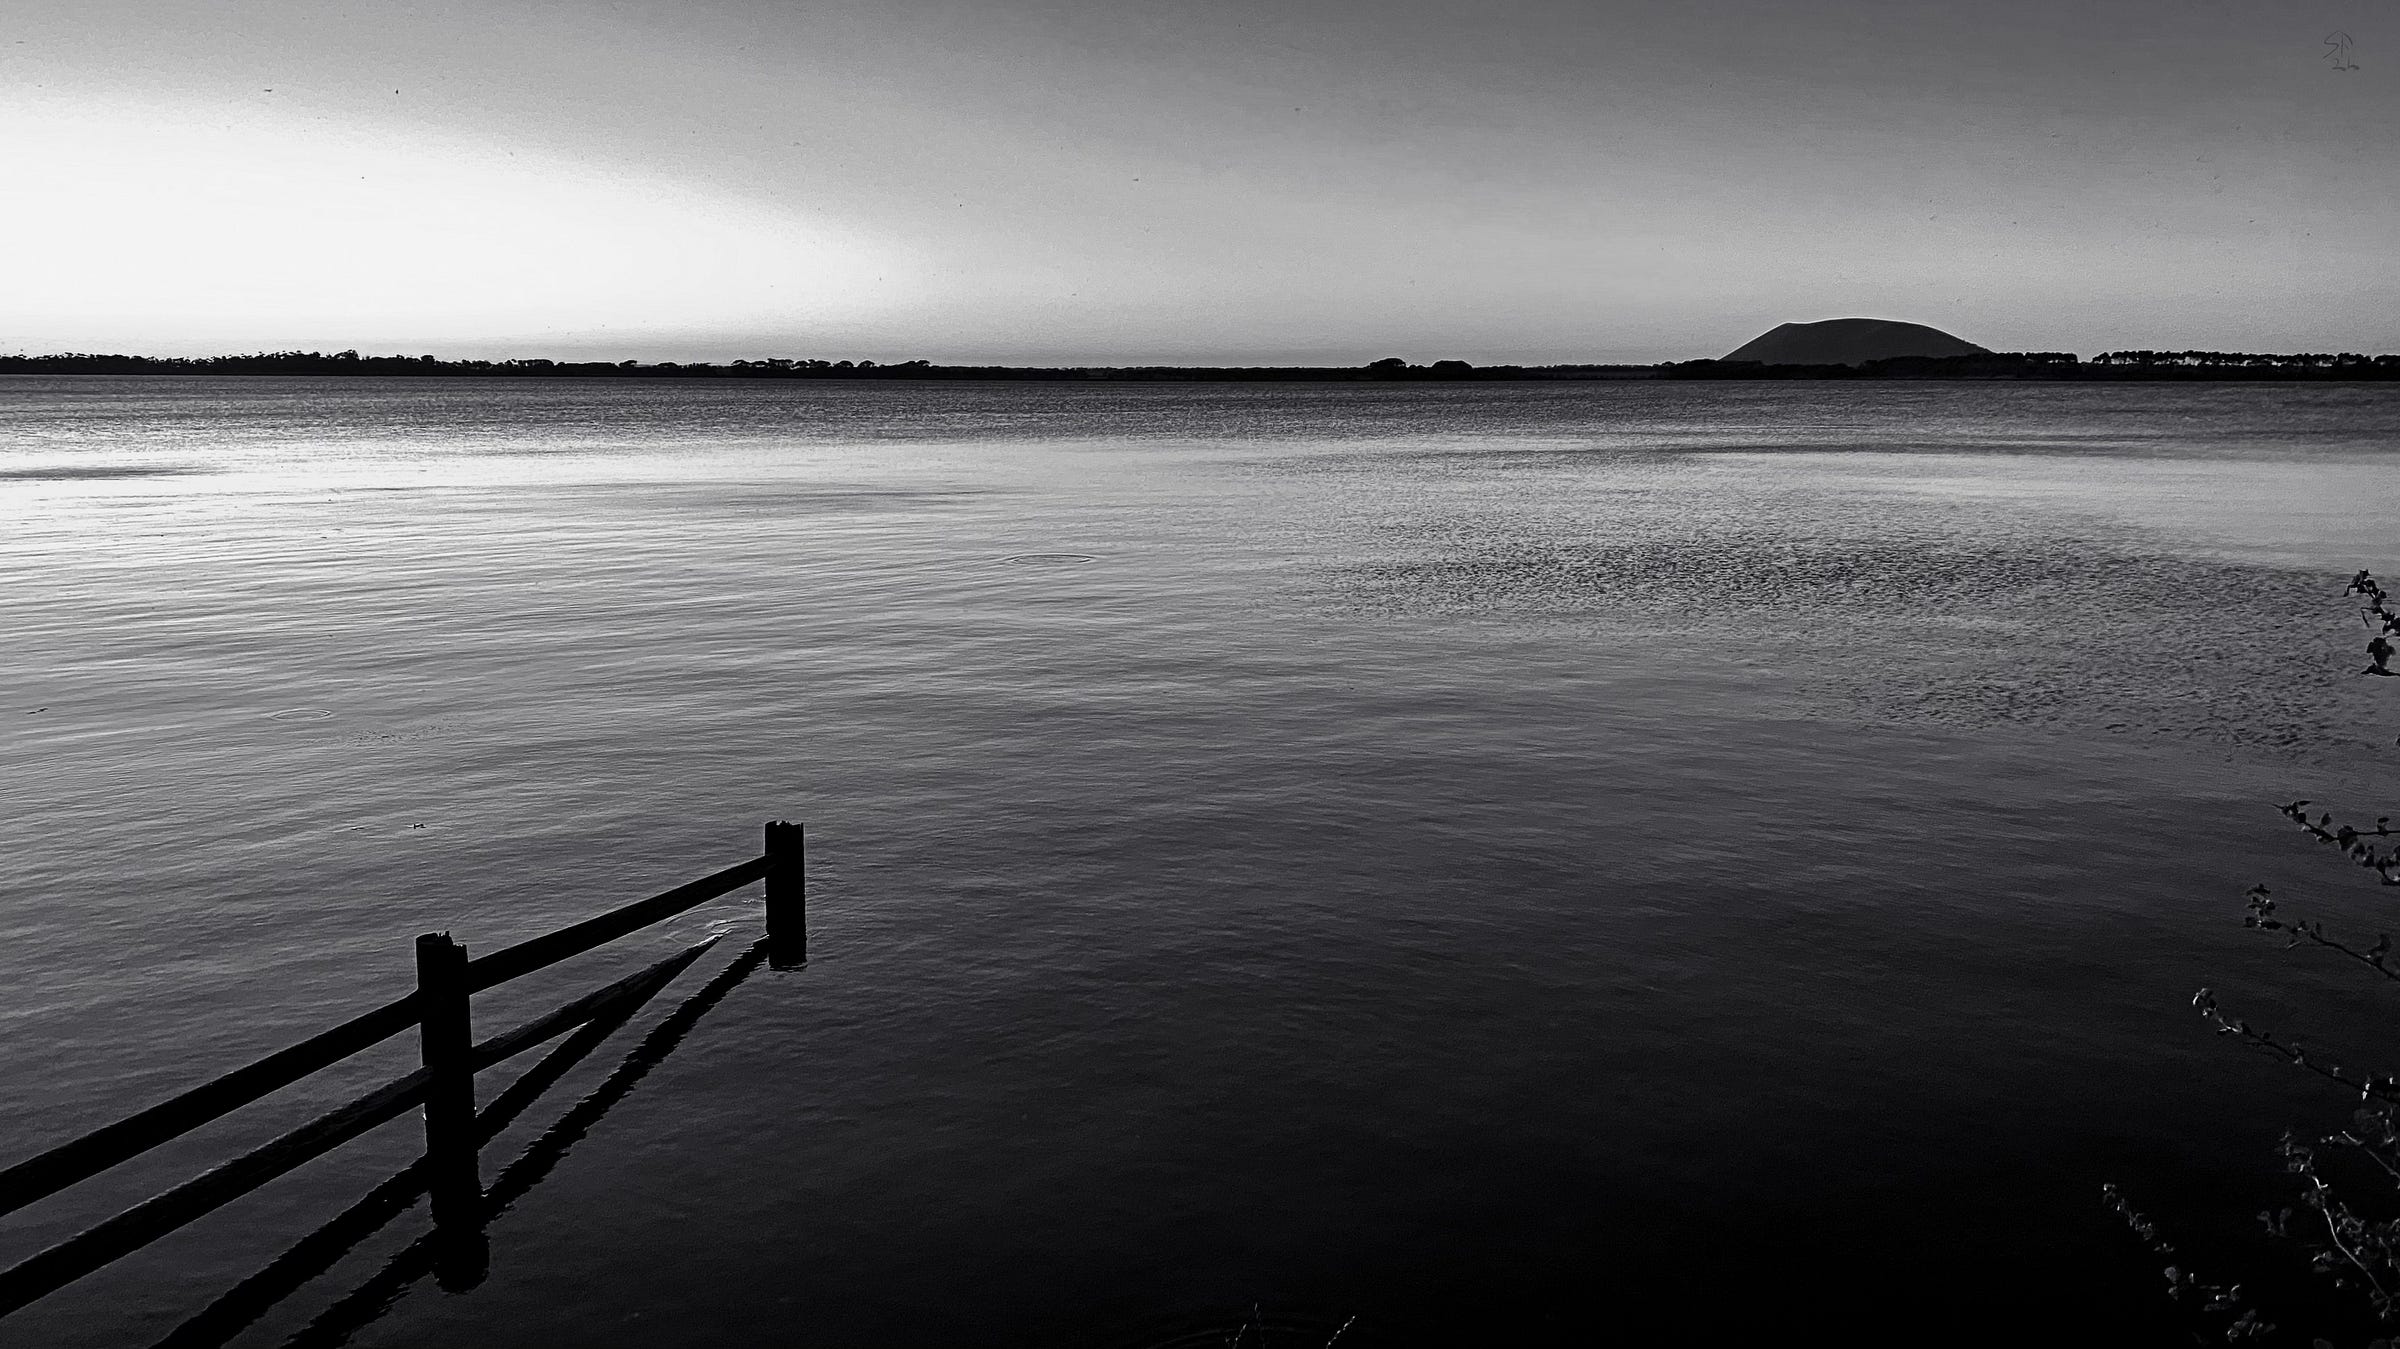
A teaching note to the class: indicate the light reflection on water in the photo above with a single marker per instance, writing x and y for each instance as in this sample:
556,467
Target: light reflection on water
1448,851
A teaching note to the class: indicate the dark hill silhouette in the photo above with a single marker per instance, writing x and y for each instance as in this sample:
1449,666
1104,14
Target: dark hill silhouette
1849,342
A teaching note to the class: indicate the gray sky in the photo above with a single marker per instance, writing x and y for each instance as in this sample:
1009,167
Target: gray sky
1215,180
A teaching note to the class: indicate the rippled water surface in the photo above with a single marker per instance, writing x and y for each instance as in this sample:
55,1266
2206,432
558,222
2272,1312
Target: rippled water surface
1496,862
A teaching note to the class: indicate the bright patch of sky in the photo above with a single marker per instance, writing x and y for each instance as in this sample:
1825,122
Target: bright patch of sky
1213,180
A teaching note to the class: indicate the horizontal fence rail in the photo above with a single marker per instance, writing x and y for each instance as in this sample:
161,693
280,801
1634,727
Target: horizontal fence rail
544,951
444,1087
95,1152
154,1218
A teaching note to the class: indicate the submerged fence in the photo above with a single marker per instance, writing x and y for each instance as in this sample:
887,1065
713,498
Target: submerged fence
440,1009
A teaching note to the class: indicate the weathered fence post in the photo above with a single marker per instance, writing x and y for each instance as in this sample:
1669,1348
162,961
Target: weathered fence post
446,1037
787,895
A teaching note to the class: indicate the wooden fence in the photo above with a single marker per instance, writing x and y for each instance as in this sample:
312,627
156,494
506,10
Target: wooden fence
440,1009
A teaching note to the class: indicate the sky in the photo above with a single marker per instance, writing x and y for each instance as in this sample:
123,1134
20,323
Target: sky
1210,181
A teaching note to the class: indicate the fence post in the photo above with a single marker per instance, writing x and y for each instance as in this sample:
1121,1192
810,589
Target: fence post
787,895
446,1038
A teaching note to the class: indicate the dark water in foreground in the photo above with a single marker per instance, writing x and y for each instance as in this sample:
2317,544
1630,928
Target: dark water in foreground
1500,863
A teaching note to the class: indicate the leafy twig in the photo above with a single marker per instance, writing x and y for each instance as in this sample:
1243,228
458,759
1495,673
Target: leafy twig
2181,1283
2370,1087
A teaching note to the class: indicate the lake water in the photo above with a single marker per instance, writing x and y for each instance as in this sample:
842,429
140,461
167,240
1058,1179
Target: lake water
1502,863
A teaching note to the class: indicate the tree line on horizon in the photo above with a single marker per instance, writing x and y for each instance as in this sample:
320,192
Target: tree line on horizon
2307,360
352,363
2114,365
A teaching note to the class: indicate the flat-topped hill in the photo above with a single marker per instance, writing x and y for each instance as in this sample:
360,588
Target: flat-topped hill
1849,342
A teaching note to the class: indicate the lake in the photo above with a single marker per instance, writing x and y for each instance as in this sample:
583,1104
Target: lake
1480,863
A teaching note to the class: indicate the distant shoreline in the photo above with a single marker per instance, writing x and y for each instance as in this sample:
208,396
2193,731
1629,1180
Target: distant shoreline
2112,367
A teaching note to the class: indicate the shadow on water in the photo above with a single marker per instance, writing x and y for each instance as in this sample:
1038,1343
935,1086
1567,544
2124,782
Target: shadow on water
457,1258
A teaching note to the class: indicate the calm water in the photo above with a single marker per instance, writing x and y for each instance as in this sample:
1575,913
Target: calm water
1497,862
